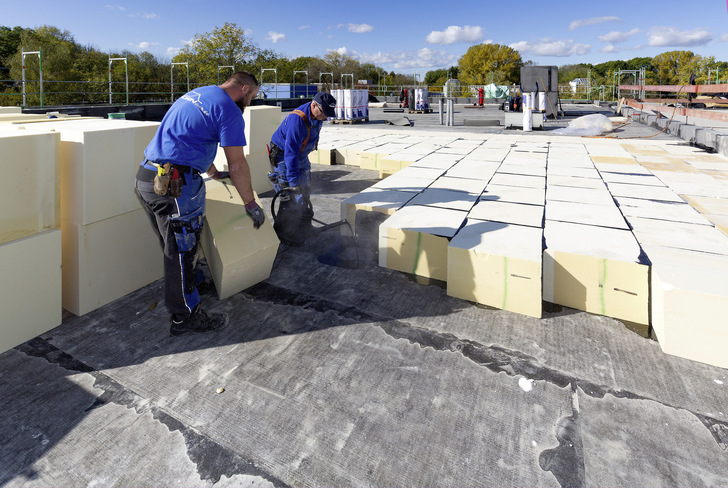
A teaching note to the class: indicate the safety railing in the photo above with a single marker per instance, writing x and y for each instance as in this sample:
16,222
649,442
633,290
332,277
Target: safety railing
679,104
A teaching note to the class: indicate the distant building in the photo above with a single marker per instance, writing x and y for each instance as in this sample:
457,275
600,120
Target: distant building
577,82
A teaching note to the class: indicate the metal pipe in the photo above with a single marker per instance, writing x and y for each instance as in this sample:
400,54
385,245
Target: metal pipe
439,109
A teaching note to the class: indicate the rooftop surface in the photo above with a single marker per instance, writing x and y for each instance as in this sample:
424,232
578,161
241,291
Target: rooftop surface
359,376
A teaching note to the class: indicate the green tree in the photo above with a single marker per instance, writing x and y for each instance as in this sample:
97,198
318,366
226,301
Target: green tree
9,45
223,46
485,62
58,50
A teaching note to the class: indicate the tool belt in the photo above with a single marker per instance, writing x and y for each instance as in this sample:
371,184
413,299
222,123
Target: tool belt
168,179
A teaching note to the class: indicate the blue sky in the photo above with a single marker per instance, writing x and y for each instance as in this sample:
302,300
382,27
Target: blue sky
401,36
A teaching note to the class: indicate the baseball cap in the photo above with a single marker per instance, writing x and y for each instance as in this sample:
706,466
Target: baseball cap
327,103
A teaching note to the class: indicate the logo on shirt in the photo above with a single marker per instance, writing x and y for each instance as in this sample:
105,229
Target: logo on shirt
194,98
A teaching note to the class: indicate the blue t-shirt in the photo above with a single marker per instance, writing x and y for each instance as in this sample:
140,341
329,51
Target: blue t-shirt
193,127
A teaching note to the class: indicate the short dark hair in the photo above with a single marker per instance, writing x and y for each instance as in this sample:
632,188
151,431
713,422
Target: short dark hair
243,78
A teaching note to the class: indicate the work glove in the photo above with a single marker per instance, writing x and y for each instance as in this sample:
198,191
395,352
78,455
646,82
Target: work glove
256,213
221,175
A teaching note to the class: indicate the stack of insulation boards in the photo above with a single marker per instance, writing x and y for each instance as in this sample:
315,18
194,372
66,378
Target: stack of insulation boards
108,247
634,232
261,121
30,235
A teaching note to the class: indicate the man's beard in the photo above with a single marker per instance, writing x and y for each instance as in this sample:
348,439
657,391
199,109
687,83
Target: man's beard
241,105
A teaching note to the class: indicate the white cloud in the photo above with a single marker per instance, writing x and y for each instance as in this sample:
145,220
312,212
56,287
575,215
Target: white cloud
548,47
304,27
359,28
455,34
423,58
173,51
723,38
662,36
115,7
274,37
609,48
144,15
144,45
591,21
616,36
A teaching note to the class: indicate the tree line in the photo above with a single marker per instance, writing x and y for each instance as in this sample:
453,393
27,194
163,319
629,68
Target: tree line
75,73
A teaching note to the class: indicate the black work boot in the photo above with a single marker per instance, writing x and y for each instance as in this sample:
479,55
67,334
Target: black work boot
199,322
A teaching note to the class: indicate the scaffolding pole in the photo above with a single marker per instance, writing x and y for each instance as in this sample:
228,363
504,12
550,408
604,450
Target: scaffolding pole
275,85
294,80
218,71
126,69
39,52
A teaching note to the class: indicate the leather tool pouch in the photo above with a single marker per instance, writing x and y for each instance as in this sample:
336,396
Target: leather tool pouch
161,180
167,181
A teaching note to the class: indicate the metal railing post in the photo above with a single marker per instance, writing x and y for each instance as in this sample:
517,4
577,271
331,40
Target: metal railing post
171,78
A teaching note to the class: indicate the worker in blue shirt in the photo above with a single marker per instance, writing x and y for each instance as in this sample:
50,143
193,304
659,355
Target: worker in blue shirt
172,191
290,146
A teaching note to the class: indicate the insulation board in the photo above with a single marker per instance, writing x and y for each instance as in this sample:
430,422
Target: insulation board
238,254
107,259
595,269
30,183
497,265
30,287
415,239
689,303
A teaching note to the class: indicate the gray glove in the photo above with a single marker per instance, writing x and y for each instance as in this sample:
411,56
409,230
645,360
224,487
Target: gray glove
256,213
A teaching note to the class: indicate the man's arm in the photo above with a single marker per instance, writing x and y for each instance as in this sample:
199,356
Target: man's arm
296,132
239,172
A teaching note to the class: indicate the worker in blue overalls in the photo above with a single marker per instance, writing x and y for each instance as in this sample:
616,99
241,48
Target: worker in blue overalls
172,191
290,146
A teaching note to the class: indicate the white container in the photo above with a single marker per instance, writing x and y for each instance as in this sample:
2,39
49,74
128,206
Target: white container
542,101
527,120
348,104
359,104
365,104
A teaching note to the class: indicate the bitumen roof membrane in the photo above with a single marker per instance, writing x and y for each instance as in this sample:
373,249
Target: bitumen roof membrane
358,375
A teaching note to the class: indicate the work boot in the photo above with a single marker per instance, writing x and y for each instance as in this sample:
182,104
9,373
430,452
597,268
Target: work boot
199,322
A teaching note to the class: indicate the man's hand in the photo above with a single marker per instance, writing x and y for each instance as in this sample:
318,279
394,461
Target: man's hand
256,213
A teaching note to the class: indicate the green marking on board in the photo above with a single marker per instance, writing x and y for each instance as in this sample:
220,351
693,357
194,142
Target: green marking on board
505,282
603,282
417,252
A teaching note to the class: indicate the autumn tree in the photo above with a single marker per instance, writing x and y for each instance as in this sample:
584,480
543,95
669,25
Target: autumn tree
484,62
223,46
674,67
